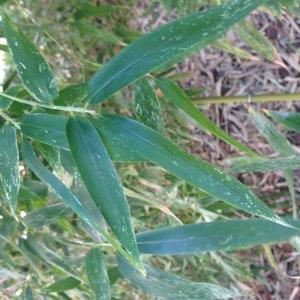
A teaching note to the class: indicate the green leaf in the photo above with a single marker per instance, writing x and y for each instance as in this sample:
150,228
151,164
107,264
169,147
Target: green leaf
104,36
85,209
4,101
46,128
46,215
166,45
65,284
253,38
81,192
289,119
33,70
27,294
97,274
50,257
8,227
72,95
279,144
147,106
102,182
102,10
179,98
245,164
51,130
214,236
31,257
9,165
271,134
226,45
51,155
199,173
168,286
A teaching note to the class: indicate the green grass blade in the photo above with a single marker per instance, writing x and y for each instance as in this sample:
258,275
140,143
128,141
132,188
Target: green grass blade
65,284
289,119
271,134
33,70
8,228
168,286
166,45
214,236
256,40
179,98
87,10
279,144
27,294
102,182
46,215
147,106
90,30
9,165
97,274
225,44
199,173
50,257
86,210
245,164
51,130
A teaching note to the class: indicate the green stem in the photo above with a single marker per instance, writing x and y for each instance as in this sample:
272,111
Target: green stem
9,119
247,99
50,106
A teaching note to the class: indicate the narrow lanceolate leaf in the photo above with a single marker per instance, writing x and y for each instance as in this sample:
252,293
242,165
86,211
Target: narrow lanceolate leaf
46,215
97,274
88,10
27,294
240,165
199,173
102,181
51,130
280,144
214,236
33,70
253,38
4,101
9,165
46,128
277,140
289,119
166,45
72,94
51,155
50,257
86,210
179,98
65,284
225,44
147,106
165,285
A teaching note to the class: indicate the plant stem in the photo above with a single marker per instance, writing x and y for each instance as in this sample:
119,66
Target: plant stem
247,99
50,106
9,119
